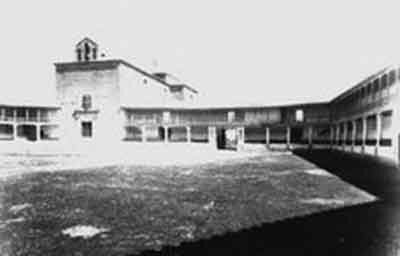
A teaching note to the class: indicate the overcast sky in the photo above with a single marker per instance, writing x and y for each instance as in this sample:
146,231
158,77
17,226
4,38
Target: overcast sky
263,52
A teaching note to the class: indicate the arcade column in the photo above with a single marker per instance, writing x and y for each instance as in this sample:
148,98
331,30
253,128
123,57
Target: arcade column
344,138
166,135
353,135
337,134
212,136
240,138
15,132
378,133
188,134
37,127
288,137
364,134
144,136
267,137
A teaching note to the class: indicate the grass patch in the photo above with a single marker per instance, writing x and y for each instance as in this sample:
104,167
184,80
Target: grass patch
128,209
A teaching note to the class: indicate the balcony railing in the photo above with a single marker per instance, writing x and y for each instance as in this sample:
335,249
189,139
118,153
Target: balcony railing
6,118
19,119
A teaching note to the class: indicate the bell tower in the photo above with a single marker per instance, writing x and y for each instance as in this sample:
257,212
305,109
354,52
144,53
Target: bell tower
88,94
86,50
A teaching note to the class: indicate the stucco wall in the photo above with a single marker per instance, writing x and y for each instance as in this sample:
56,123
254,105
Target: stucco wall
102,85
138,89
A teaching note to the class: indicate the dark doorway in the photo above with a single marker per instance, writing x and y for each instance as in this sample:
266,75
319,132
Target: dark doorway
6,132
27,132
226,138
87,129
296,135
221,139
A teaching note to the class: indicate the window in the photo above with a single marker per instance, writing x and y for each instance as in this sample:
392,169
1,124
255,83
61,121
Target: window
9,114
49,132
45,115
358,95
86,129
386,126
6,132
392,77
299,115
133,133
86,102
376,85
166,116
231,116
369,89
79,53
94,53
384,81
86,51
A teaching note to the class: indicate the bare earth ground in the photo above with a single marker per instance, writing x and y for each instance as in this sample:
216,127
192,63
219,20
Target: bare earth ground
125,209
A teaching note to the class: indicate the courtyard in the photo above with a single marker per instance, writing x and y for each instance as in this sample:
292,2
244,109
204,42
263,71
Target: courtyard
56,208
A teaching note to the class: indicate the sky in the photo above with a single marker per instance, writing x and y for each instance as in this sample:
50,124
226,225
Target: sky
234,52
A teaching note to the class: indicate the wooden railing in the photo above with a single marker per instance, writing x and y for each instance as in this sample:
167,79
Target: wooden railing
19,119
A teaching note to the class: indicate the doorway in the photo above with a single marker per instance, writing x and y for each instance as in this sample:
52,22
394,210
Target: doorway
87,129
221,139
226,138
297,135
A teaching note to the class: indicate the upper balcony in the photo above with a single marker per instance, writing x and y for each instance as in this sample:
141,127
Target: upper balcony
28,114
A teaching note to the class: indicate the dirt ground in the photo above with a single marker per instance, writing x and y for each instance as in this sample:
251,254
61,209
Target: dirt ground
128,208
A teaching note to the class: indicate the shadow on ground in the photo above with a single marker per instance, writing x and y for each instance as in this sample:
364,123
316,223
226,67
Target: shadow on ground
369,229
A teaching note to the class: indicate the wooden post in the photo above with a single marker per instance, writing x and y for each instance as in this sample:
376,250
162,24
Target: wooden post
166,134
378,133
37,132
26,115
188,134
337,134
332,136
240,137
364,134
15,133
310,135
353,135
212,136
267,137
288,137
144,136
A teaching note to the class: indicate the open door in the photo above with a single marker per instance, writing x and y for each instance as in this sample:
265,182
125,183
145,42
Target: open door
227,138
221,140
231,139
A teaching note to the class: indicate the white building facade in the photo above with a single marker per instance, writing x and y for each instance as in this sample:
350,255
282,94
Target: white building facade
110,102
